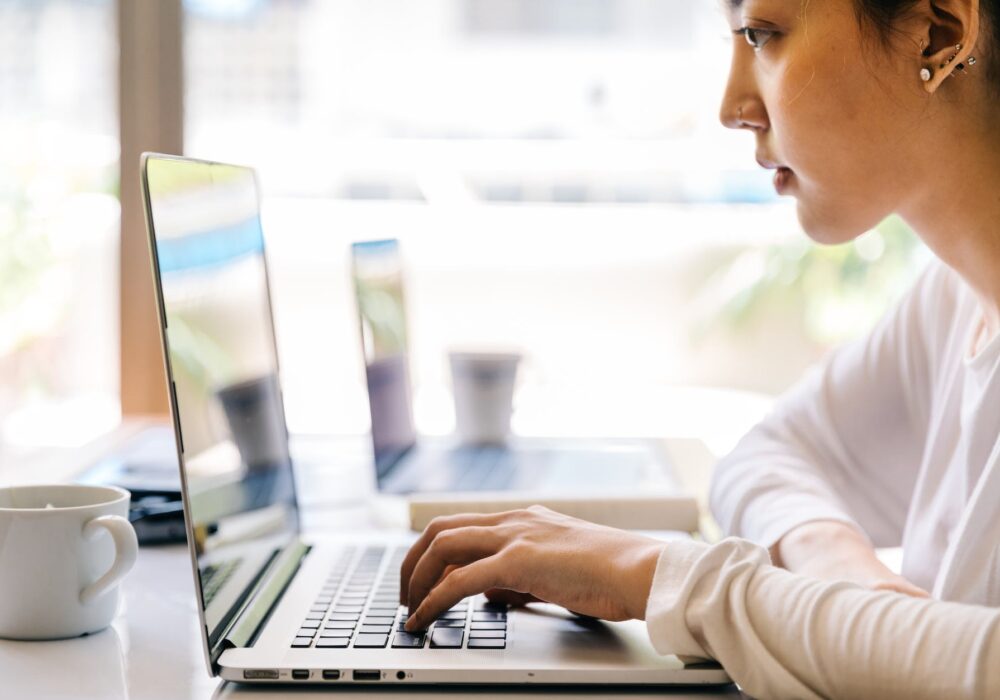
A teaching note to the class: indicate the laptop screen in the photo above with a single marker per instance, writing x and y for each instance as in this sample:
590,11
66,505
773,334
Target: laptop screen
237,473
378,287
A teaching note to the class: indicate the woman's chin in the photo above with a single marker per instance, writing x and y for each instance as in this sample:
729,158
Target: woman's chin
827,228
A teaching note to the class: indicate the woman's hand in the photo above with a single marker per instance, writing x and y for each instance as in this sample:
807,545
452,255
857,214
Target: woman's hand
589,569
834,550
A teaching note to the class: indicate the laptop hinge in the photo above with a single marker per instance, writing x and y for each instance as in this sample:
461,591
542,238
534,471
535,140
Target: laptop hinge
246,625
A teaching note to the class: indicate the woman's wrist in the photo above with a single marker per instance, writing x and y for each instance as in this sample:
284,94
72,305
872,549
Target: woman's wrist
637,575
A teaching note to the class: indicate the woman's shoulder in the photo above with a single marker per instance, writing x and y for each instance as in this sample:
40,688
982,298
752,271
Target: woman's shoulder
940,307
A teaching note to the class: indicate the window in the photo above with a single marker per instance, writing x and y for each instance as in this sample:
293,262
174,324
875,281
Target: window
558,178
58,221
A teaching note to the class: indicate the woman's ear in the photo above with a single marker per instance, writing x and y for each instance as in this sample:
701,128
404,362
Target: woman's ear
948,35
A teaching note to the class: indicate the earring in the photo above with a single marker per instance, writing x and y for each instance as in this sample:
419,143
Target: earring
960,67
958,47
925,74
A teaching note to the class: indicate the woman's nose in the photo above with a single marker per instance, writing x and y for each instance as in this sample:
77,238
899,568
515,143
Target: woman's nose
741,106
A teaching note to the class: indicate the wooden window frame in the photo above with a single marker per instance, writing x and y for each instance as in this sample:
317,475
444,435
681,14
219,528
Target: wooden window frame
151,118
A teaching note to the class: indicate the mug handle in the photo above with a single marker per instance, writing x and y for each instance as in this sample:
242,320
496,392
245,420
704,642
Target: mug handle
126,550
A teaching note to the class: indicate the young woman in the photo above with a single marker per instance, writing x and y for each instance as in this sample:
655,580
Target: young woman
863,107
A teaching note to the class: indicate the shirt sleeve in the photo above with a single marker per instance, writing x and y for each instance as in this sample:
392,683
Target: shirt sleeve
779,634
846,442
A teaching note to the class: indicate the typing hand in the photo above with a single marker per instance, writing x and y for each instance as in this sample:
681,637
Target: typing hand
524,555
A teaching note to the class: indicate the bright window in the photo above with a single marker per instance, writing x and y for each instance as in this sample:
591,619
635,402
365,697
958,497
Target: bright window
558,178
58,221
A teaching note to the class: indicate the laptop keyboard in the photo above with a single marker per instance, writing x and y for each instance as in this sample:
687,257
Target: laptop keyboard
486,468
358,607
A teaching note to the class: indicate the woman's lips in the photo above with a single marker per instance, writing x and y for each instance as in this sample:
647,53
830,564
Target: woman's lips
783,176
783,179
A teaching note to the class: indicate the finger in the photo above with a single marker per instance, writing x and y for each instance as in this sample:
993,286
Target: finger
511,598
457,546
479,576
436,526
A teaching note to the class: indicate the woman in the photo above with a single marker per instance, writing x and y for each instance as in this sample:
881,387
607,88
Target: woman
863,107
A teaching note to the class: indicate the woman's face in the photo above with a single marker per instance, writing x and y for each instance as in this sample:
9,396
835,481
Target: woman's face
832,106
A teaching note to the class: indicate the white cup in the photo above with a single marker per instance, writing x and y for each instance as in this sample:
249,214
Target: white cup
483,387
63,551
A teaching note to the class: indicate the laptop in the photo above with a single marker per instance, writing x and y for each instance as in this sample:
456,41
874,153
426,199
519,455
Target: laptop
408,465
274,605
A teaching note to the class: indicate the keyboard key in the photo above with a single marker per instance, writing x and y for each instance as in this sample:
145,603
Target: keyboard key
456,615
405,640
440,624
375,629
483,604
301,642
333,643
489,625
304,632
379,620
315,616
352,617
488,616
371,641
336,633
348,609
487,634
340,625
447,638
481,643
311,624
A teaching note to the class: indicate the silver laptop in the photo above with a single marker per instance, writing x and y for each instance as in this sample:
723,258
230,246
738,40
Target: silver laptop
274,606
405,464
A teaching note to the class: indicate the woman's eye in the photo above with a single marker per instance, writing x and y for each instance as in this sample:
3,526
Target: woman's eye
757,38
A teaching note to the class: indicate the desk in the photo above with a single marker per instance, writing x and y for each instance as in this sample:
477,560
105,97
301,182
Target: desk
153,649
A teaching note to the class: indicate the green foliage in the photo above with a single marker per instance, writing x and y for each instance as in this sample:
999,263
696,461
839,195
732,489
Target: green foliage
830,292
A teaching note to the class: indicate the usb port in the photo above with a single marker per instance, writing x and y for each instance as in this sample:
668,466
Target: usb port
258,674
300,674
367,675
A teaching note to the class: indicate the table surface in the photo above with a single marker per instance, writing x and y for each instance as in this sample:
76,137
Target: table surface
153,648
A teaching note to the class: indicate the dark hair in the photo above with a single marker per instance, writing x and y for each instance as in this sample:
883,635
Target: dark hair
881,16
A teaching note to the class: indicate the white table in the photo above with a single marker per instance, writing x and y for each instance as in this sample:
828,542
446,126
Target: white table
153,650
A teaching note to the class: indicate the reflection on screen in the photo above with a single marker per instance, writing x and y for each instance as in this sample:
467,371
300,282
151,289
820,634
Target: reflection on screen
378,286
210,255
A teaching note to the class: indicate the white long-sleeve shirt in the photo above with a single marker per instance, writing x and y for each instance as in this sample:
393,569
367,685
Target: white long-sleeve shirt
896,434
899,434
781,635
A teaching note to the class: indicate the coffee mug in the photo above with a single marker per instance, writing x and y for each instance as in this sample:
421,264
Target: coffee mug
63,551
483,387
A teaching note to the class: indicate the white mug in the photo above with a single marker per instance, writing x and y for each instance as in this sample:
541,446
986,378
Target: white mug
483,387
63,551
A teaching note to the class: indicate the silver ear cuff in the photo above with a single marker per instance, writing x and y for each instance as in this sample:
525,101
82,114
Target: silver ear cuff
958,47
925,73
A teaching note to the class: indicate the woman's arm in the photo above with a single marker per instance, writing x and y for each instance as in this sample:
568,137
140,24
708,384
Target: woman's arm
777,634
783,635
835,551
846,443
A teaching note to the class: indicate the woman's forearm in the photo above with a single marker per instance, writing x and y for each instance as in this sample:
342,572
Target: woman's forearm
783,635
836,551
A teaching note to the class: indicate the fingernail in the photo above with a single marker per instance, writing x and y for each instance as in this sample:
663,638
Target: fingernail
410,624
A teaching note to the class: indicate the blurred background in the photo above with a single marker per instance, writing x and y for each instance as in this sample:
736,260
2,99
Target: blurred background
554,169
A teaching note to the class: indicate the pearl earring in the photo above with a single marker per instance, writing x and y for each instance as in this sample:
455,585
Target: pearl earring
925,74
